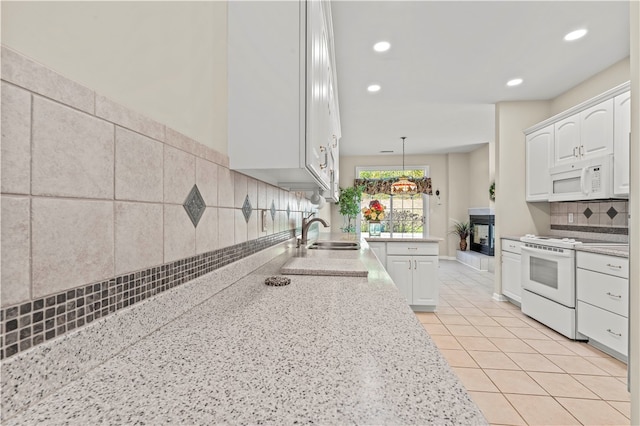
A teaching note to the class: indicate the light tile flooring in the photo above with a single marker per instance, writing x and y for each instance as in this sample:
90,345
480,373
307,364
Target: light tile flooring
517,370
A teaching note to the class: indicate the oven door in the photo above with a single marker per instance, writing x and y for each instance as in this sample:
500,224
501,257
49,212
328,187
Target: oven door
550,273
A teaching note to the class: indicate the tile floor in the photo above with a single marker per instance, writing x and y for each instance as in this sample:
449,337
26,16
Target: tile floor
517,370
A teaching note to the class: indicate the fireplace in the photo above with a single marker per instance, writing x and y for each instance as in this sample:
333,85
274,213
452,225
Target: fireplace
482,223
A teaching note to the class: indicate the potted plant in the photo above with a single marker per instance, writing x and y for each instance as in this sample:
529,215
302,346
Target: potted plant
462,230
349,204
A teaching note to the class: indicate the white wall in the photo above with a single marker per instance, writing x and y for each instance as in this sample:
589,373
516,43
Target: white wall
166,60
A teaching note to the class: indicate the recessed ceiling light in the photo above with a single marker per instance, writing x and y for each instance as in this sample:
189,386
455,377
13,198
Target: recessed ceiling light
574,35
373,88
514,82
381,46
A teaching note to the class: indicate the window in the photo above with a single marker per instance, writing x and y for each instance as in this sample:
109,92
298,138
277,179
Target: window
405,216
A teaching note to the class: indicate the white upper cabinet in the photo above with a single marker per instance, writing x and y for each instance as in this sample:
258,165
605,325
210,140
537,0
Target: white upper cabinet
538,160
621,140
567,140
596,130
586,134
282,108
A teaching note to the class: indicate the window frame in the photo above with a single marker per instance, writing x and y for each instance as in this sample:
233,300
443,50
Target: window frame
425,198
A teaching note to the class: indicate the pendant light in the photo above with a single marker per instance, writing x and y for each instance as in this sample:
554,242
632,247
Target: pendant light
403,186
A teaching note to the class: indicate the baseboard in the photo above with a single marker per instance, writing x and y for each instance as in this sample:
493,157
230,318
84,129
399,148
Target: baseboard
499,298
447,257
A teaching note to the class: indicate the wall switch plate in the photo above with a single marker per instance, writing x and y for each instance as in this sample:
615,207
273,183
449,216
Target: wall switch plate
570,217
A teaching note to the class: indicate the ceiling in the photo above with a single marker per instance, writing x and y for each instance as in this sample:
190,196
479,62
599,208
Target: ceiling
449,63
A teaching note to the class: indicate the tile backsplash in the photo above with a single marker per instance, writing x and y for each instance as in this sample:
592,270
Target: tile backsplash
95,208
608,217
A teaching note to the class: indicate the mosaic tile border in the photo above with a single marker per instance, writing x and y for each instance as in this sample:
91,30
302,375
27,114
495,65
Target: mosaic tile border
31,323
595,229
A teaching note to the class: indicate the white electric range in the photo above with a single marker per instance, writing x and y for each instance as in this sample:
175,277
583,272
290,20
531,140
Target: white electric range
549,281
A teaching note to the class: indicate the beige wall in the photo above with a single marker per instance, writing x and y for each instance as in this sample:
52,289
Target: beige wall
479,177
449,173
613,76
514,216
137,53
634,221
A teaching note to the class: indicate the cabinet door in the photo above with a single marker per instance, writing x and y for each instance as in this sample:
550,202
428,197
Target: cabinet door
596,130
425,280
621,140
317,155
538,159
400,269
511,279
567,140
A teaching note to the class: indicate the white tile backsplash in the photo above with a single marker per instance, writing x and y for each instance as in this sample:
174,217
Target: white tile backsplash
73,152
16,139
72,243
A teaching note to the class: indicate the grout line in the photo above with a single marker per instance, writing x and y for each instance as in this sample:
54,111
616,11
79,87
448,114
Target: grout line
31,104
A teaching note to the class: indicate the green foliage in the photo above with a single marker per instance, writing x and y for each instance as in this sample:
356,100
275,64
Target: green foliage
349,204
407,221
389,174
492,191
349,200
461,229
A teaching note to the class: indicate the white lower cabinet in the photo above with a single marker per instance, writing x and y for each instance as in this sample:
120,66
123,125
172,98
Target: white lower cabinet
603,300
511,270
413,267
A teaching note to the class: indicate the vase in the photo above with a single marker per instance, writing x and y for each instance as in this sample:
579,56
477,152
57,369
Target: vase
374,229
463,245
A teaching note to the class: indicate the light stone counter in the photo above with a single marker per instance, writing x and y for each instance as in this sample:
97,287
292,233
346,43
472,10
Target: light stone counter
404,239
328,350
621,250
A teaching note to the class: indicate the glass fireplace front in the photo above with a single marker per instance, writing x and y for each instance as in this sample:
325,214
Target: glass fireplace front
482,234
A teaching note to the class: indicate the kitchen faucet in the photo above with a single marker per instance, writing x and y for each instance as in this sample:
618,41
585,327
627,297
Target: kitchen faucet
306,223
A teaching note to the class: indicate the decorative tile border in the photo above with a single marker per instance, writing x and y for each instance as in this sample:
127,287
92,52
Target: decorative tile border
29,324
593,229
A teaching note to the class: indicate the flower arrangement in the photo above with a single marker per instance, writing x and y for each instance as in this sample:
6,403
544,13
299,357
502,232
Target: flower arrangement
374,212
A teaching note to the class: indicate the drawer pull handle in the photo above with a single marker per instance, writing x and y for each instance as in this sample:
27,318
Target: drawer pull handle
614,295
415,264
412,248
614,333
614,266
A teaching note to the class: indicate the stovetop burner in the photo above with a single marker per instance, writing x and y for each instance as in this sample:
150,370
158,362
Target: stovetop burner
563,242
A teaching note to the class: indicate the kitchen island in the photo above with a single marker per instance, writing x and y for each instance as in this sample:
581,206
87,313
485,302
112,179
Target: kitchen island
324,349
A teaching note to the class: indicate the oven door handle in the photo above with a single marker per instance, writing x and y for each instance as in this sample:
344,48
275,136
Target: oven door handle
547,253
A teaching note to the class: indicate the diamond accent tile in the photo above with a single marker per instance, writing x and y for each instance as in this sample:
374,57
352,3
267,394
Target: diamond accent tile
612,212
273,210
288,210
587,212
247,209
194,205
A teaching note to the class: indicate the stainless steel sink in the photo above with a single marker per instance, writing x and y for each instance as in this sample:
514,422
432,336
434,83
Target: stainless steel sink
335,245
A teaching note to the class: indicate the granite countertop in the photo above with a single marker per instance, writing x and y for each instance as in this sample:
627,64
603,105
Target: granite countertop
404,239
328,350
620,250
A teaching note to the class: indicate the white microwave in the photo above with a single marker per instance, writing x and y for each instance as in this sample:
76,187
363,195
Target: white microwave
582,180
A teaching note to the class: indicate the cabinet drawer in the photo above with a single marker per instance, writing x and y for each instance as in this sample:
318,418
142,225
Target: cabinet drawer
604,327
411,249
604,291
612,265
511,246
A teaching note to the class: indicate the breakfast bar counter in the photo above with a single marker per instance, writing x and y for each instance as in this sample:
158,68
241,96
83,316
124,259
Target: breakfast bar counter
323,349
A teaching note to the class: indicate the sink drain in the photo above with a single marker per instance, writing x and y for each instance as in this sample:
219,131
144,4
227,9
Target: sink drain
277,281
